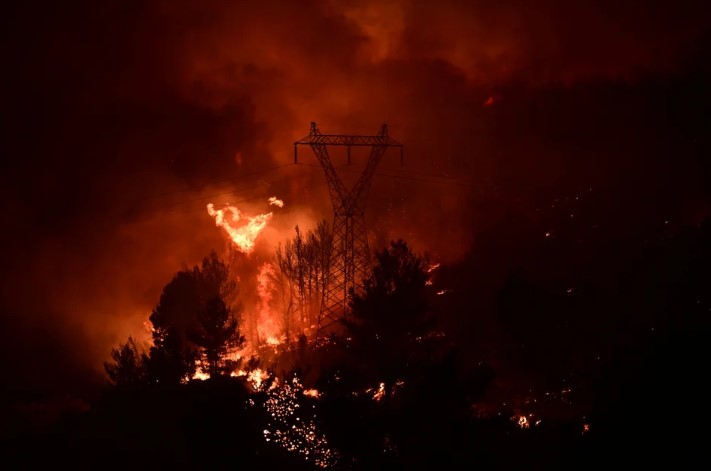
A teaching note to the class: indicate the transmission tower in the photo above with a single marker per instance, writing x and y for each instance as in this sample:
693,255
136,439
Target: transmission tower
350,256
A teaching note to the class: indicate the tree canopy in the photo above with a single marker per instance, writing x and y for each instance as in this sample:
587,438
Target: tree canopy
195,322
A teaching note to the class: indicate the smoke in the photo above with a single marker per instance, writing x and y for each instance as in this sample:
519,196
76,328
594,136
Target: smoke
127,118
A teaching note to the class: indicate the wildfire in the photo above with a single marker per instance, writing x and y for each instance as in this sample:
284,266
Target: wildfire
274,201
257,377
311,393
523,422
243,236
379,394
267,326
293,426
201,375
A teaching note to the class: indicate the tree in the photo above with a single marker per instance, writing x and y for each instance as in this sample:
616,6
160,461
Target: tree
129,366
219,336
391,318
411,385
303,266
186,321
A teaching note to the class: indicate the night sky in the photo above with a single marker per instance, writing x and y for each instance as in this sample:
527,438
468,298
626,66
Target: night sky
548,144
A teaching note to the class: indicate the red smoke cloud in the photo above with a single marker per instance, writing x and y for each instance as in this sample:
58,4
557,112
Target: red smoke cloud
132,116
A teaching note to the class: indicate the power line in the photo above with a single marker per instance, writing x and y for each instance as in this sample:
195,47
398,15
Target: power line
414,178
240,177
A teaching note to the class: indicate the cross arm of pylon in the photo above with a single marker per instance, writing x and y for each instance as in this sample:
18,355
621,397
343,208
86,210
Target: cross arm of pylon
380,139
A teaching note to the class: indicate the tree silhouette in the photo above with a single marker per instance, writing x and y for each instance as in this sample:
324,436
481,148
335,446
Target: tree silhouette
219,335
186,322
129,366
412,386
303,265
391,318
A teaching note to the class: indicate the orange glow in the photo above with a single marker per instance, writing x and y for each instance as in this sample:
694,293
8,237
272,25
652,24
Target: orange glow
268,327
242,236
311,393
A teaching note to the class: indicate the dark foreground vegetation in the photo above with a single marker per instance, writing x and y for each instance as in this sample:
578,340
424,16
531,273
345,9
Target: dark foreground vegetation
394,392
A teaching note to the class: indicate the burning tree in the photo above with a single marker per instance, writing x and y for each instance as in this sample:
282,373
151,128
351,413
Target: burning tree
303,264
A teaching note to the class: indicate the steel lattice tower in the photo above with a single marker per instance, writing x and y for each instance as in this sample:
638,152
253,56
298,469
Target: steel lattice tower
350,255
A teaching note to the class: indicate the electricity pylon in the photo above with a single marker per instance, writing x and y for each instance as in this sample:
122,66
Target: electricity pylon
350,256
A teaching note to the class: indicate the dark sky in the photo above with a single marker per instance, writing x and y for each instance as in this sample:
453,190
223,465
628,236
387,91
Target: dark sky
122,119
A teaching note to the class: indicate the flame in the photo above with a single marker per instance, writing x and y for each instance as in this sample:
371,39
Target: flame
274,201
257,377
523,422
243,236
268,327
311,393
201,375
293,427
379,394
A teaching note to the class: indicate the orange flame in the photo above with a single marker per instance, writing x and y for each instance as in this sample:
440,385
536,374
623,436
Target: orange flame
257,377
201,375
523,422
268,327
274,201
242,236
379,394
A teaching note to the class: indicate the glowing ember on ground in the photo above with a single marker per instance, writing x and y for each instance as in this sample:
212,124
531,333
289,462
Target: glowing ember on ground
274,201
379,394
242,236
292,426
586,428
311,393
523,422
